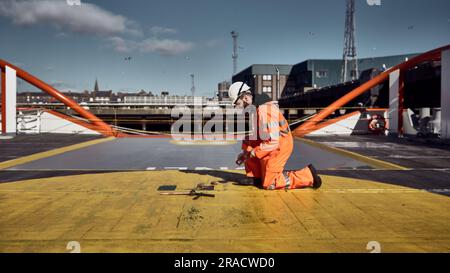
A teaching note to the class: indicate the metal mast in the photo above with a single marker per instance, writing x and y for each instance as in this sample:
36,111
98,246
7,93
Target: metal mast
193,85
235,35
350,60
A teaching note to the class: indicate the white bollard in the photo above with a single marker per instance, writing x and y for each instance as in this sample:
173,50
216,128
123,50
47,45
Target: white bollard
394,86
9,97
445,95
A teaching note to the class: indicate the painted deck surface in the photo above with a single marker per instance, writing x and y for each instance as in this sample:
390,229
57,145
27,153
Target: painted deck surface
123,212
405,210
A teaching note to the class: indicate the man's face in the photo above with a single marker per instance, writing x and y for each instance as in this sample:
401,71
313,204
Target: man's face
244,101
239,104
247,100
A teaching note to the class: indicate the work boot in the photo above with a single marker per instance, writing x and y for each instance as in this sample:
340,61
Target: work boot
257,182
317,181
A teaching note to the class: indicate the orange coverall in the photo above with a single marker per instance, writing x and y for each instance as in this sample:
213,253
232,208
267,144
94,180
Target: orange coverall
271,152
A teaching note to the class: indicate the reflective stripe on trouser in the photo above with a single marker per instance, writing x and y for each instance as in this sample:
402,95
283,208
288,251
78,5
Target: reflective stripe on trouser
288,180
273,174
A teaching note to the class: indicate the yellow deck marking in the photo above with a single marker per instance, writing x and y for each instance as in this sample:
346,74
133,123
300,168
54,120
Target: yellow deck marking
26,159
376,163
123,212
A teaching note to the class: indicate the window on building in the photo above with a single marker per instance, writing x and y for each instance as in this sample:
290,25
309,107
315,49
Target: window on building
267,89
322,74
267,77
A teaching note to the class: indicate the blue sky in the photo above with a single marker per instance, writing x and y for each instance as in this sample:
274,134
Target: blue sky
71,46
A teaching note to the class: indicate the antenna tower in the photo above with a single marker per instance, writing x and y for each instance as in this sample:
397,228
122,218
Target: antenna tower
350,61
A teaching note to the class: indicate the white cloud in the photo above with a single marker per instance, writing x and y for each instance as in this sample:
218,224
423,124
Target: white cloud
86,19
121,45
92,20
61,85
166,47
215,42
156,30
61,35
49,68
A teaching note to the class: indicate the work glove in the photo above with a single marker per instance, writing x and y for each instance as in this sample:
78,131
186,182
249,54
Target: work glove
242,157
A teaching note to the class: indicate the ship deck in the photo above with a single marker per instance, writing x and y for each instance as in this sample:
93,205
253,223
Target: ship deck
104,194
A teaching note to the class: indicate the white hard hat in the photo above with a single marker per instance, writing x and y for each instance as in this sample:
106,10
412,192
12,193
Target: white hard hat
236,90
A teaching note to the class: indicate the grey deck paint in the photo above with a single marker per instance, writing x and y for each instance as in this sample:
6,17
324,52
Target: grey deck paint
160,153
23,145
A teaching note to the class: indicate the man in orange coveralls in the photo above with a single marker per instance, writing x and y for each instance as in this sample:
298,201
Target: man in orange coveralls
266,156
